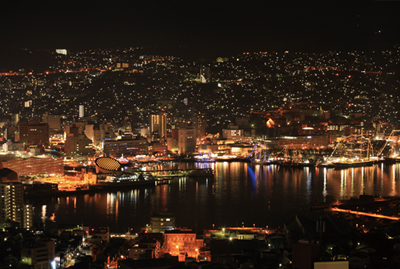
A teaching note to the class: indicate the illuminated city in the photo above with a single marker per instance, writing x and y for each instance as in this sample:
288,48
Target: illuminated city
195,134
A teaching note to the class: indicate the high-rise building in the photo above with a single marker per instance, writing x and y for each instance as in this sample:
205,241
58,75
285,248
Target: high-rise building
12,196
158,125
27,217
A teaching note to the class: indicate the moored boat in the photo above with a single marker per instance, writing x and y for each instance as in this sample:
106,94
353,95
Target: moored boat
350,163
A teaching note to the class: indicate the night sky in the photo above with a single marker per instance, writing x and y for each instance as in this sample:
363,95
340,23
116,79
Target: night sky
205,27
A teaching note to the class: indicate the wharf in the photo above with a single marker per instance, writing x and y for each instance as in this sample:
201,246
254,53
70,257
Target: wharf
154,178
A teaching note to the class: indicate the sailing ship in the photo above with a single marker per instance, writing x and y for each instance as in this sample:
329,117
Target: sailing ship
295,160
259,155
352,151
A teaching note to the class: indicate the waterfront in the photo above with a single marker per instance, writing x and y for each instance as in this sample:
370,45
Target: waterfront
240,193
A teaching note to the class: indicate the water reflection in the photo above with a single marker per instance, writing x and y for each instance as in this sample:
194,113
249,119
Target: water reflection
240,192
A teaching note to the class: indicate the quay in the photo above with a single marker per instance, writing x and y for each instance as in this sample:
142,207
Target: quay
62,186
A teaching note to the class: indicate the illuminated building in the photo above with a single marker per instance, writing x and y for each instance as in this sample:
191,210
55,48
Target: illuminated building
158,124
81,111
298,142
12,199
126,146
34,132
61,51
38,254
182,244
35,166
233,133
27,217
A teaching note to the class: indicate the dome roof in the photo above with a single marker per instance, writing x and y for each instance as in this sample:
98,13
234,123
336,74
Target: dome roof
107,165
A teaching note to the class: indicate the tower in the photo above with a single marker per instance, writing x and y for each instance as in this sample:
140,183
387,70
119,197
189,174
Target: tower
81,111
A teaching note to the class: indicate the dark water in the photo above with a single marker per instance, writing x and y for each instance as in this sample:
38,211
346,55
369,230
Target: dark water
240,194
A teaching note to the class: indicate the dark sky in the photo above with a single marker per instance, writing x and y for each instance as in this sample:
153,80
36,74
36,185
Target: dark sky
205,26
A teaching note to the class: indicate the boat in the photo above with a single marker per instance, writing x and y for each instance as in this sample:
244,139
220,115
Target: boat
325,165
123,181
392,160
296,160
203,159
207,172
352,163
259,162
259,155
352,151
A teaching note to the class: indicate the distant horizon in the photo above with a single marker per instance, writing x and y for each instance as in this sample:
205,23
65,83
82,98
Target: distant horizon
13,58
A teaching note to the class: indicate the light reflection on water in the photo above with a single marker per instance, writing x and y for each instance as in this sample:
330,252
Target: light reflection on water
240,192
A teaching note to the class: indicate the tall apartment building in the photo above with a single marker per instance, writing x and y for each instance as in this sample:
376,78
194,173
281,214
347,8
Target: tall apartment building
12,196
27,218
158,124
